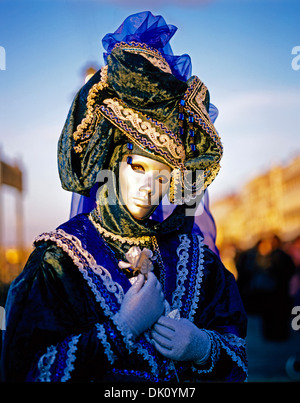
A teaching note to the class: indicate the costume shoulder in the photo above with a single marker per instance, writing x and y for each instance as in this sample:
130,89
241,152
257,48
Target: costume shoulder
46,264
47,301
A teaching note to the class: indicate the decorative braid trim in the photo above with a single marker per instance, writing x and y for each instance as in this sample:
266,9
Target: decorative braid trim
107,348
199,278
71,358
45,363
53,357
194,97
82,259
82,134
145,132
115,237
182,271
152,54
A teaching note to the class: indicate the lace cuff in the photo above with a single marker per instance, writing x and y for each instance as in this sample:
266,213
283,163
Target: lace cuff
207,363
231,345
206,356
122,326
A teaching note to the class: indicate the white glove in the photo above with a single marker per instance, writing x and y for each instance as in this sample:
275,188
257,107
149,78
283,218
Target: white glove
143,304
181,340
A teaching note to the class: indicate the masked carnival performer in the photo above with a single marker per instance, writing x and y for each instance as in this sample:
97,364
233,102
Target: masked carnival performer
117,294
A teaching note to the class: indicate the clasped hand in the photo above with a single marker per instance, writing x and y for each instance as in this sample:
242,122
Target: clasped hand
143,304
142,308
180,340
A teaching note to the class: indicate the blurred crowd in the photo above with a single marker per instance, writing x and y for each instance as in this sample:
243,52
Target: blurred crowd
268,277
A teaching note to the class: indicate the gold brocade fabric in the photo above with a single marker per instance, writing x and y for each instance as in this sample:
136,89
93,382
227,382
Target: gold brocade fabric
133,100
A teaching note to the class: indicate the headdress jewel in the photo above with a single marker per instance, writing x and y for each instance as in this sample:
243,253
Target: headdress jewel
184,136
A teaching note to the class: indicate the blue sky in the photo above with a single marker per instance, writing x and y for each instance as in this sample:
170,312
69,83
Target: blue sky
241,49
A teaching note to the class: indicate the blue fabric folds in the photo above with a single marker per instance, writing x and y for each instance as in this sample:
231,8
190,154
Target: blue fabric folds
152,30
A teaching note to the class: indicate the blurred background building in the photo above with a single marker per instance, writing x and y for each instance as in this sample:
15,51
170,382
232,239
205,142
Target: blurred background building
267,204
12,256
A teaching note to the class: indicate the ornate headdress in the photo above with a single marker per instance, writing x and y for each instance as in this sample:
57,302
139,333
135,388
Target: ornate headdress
143,97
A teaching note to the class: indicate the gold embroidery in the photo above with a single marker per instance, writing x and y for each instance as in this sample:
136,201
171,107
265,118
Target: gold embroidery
200,98
151,54
80,135
194,97
115,237
144,127
157,63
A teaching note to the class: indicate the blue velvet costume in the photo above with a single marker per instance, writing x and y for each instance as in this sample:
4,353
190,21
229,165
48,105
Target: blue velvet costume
60,310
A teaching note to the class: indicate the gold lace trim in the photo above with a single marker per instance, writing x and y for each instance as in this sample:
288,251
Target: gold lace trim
151,54
197,92
83,259
81,134
145,128
115,237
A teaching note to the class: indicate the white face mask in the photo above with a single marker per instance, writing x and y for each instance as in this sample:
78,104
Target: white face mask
143,183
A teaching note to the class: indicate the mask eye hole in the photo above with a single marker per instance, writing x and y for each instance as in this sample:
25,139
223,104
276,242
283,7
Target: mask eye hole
138,168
